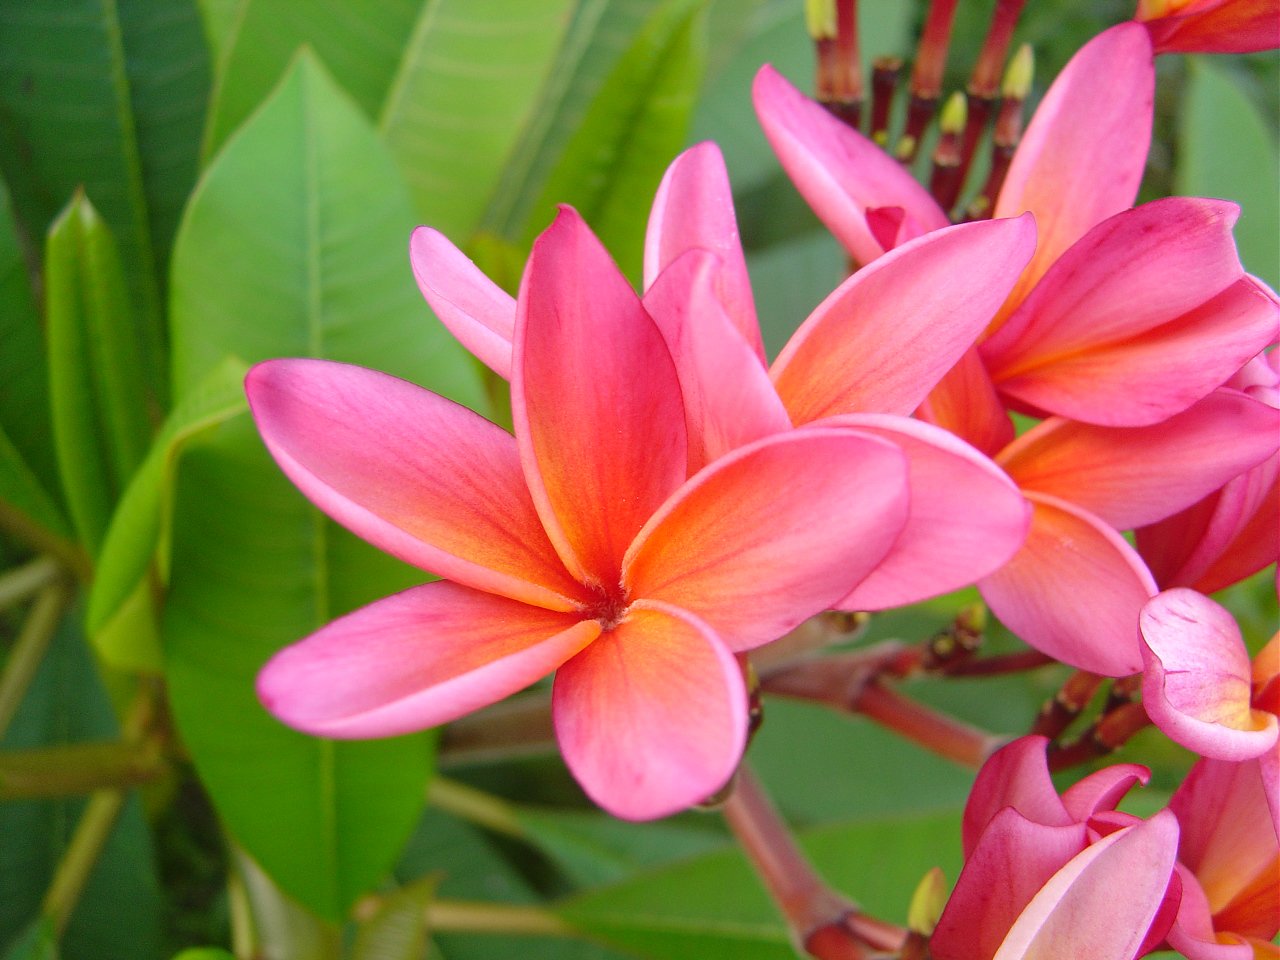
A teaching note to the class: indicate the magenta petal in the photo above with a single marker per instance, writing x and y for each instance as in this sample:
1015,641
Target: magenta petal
837,170
1103,789
475,309
1016,775
1133,476
966,518
728,398
1083,154
1074,591
1192,933
693,209
416,475
595,399
1197,681
652,716
416,660
889,333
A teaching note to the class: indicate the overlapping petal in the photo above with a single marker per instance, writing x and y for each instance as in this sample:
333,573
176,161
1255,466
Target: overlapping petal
1133,476
595,399
1074,590
652,717
475,309
1103,789
1211,26
1017,776
416,660
966,518
890,332
838,171
774,532
965,402
420,477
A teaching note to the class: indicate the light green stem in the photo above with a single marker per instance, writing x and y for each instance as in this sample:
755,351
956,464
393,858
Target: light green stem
463,916
475,806
21,582
29,649
81,856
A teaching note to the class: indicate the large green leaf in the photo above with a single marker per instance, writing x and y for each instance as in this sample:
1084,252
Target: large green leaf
26,507
108,95
96,375
360,40
1226,149
294,244
611,166
466,86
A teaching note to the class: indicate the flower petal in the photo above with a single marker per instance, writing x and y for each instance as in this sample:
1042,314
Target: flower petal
1192,933
1132,476
837,170
1016,775
652,717
1103,789
965,402
693,209
1197,681
728,399
475,309
774,532
1229,26
415,660
595,400
416,475
1101,903
1074,591
966,517
1083,154
889,333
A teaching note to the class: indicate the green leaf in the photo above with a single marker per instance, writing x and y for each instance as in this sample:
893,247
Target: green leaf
611,166
120,606
203,953
293,244
359,40
99,403
466,87
1226,149
26,508
714,908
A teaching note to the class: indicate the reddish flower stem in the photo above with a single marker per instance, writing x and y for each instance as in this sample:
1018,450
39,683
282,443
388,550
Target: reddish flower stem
839,69
936,732
884,84
1060,712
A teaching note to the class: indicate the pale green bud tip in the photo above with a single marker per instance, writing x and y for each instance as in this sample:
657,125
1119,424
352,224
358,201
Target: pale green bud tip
955,114
1017,79
927,902
820,17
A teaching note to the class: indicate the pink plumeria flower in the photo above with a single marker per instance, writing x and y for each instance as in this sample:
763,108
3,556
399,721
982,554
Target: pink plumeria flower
1048,876
1211,26
574,546
863,360
1124,316
1228,862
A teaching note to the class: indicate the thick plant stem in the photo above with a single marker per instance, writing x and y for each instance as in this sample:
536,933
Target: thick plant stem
936,732
462,916
30,647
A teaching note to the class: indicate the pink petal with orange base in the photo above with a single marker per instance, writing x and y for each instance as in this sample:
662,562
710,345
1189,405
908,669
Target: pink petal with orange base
416,475
889,333
837,170
1101,904
595,399
967,518
965,402
475,309
1132,476
693,209
1216,26
1083,154
1074,591
753,563
1196,684
1192,933
652,717
416,660
728,399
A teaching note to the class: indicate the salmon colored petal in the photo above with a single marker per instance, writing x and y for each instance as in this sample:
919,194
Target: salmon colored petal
837,170
1101,903
1013,860
693,209
728,398
1083,154
1132,476
965,402
967,518
475,309
595,400
1197,682
889,333
1016,775
1151,377
416,475
652,717
1192,933
1074,591
1103,789
1225,26
416,660
774,532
